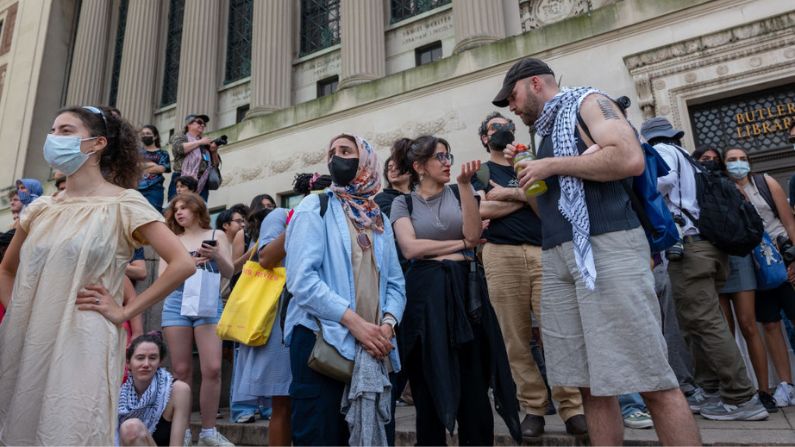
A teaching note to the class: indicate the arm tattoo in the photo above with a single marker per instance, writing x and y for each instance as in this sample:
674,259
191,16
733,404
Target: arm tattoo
607,108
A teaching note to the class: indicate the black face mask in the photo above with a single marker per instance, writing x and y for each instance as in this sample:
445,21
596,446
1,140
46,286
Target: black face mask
500,139
343,170
148,141
711,165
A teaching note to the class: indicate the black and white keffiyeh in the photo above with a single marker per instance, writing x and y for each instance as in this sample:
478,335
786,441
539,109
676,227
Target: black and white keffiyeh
150,405
559,119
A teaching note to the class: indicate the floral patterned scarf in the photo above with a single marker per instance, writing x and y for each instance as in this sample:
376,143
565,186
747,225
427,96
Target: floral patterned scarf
357,197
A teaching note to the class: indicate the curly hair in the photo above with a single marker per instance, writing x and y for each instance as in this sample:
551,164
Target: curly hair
119,161
406,152
305,183
195,204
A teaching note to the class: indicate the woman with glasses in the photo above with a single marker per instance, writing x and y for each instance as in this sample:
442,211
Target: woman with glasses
61,343
450,339
193,155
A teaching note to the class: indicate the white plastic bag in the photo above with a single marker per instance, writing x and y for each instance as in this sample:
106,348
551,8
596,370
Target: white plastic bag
201,293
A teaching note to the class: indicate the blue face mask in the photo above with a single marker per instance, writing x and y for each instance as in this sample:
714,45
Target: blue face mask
63,153
738,169
24,197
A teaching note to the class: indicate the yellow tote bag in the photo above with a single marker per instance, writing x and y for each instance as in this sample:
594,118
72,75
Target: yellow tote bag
253,305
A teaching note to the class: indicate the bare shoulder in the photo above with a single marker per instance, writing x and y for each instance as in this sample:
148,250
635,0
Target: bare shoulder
180,388
597,106
772,183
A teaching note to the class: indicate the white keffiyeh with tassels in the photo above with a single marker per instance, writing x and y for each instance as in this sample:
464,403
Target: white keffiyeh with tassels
147,407
559,119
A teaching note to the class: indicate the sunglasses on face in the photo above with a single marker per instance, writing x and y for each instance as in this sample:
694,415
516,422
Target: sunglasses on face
199,122
444,157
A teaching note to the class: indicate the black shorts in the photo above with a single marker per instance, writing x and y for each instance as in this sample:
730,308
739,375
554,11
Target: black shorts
770,303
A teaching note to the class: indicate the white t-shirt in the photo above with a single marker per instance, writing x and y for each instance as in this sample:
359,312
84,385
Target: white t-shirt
679,186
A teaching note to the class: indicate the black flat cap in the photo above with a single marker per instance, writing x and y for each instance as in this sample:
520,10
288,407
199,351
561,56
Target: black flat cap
523,69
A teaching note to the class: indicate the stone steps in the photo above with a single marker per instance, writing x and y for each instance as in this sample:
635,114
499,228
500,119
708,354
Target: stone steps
778,429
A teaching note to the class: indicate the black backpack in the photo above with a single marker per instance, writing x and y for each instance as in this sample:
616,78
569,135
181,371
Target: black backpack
726,219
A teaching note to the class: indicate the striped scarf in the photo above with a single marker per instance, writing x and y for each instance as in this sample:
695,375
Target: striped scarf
150,405
559,119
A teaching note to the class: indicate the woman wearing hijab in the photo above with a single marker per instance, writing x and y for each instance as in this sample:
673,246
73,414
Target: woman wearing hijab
28,190
347,286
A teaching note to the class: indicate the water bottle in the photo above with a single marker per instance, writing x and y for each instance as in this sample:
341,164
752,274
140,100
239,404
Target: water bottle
522,153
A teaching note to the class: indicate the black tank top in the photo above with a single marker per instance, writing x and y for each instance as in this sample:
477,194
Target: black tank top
609,206
162,434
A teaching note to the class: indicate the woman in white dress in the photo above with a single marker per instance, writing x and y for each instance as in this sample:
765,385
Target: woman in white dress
61,342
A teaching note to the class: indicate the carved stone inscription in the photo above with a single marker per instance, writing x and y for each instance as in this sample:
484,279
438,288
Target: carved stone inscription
426,30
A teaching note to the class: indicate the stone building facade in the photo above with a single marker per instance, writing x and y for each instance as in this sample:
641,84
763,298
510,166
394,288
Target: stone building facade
281,77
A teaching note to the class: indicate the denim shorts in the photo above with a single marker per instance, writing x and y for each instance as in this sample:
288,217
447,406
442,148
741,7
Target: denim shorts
171,313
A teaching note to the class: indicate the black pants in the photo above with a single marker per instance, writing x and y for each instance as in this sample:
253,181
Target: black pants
475,419
316,418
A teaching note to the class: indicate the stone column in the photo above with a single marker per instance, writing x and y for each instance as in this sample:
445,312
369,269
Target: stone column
197,90
363,45
87,73
477,22
137,76
271,56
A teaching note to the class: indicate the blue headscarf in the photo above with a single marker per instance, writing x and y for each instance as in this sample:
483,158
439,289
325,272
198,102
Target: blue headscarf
34,190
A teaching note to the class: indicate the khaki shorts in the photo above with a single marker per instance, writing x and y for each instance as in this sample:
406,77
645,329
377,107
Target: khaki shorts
610,339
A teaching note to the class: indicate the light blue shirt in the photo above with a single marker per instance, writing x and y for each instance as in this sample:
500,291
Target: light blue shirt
320,274
272,227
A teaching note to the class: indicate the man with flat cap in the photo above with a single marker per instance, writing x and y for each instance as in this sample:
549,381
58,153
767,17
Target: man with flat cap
725,391
601,328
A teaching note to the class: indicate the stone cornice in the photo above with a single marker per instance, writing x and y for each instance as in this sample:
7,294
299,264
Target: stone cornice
711,48
652,67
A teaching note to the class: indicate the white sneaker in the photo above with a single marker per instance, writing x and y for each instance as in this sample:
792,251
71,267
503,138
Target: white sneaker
215,439
784,395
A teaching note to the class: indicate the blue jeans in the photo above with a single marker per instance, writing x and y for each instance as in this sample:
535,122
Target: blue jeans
631,403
